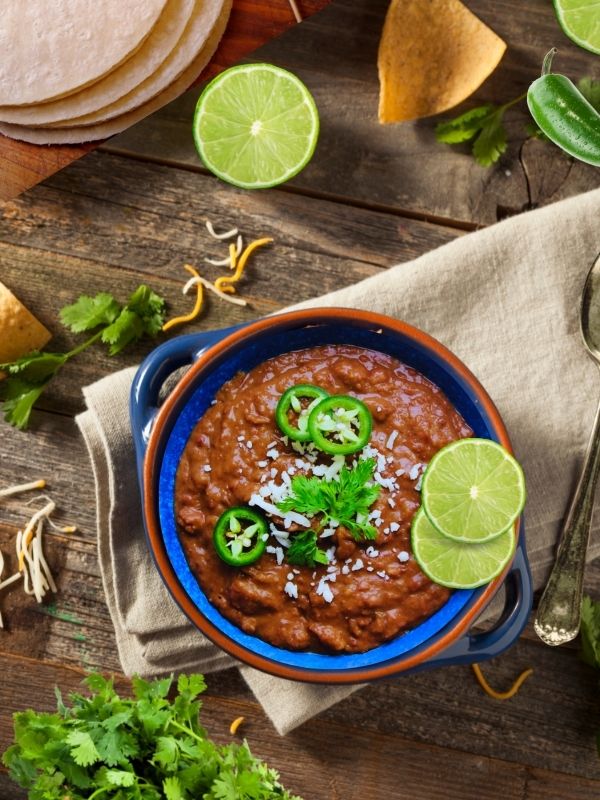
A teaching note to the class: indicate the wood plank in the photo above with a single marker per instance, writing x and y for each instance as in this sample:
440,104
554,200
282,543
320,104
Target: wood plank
368,762
252,23
402,168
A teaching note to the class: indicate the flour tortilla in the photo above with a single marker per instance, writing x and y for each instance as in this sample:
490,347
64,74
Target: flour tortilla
20,331
433,54
144,62
51,48
202,22
114,126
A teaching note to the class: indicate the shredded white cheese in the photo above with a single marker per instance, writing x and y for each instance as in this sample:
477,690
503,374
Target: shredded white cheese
226,235
391,439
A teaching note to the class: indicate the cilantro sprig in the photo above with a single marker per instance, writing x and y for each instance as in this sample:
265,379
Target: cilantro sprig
346,500
484,125
119,326
145,748
303,550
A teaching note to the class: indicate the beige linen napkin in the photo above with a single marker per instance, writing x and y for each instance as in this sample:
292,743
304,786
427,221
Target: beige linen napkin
506,301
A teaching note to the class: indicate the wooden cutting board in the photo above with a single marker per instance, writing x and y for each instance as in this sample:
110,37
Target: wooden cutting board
252,24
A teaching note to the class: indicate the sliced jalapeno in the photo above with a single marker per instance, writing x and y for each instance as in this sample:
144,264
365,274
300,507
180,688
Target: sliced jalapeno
340,424
240,536
290,405
564,115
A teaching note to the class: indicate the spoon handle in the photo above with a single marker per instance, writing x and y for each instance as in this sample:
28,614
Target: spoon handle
559,612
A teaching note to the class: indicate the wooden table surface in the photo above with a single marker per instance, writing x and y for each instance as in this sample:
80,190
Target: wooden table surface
134,210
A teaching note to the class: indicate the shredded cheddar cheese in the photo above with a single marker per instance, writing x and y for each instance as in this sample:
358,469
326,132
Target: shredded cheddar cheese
224,283
197,306
500,695
235,725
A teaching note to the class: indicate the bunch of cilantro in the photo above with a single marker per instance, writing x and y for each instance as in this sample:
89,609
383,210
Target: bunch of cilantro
117,325
146,748
346,501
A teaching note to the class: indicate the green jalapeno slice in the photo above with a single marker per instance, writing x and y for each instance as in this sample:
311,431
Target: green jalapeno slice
564,115
240,536
290,403
340,424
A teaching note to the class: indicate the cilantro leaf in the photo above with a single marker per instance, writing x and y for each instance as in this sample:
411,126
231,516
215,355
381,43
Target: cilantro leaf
590,89
491,142
346,500
35,367
465,126
303,550
18,398
309,496
149,307
125,329
172,789
88,312
590,632
83,748
484,126
119,777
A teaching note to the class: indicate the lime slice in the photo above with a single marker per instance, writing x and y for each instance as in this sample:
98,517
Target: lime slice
256,126
473,490
580,20
458,565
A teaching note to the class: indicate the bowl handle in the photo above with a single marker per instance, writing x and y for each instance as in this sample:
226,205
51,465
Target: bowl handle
475,647
153,372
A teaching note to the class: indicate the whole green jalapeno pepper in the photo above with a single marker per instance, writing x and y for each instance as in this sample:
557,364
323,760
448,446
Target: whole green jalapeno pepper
564,115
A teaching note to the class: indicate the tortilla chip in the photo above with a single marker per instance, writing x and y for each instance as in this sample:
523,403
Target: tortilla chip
433,54
20,331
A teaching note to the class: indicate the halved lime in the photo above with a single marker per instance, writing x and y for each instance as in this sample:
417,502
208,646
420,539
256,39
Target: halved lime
458,565
473,490
580,20
256,126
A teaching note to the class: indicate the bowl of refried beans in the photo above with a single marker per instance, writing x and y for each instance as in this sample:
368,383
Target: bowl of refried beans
280,478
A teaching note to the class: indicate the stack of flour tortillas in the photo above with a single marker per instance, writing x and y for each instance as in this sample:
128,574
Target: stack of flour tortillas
80,70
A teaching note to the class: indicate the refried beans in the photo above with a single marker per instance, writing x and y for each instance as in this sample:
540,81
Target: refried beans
372,590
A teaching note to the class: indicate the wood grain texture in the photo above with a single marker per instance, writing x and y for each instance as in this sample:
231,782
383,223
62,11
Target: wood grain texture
402,168
385,765
127,214
110,221
252,23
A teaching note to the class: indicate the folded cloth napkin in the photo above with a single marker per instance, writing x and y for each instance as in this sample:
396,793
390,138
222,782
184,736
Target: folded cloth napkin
506,301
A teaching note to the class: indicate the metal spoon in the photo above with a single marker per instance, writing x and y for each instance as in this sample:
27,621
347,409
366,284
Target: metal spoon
559,612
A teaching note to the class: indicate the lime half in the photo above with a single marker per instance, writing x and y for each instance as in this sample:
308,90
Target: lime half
256,126
458,565
473,490
580,20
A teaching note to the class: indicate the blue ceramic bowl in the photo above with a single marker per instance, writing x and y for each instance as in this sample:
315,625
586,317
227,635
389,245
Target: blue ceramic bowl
160,438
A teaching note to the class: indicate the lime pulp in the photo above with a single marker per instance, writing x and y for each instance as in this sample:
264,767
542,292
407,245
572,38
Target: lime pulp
580,20
256,126
473,490
459,565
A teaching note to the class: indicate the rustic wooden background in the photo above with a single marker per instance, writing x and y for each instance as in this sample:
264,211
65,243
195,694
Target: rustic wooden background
134,210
